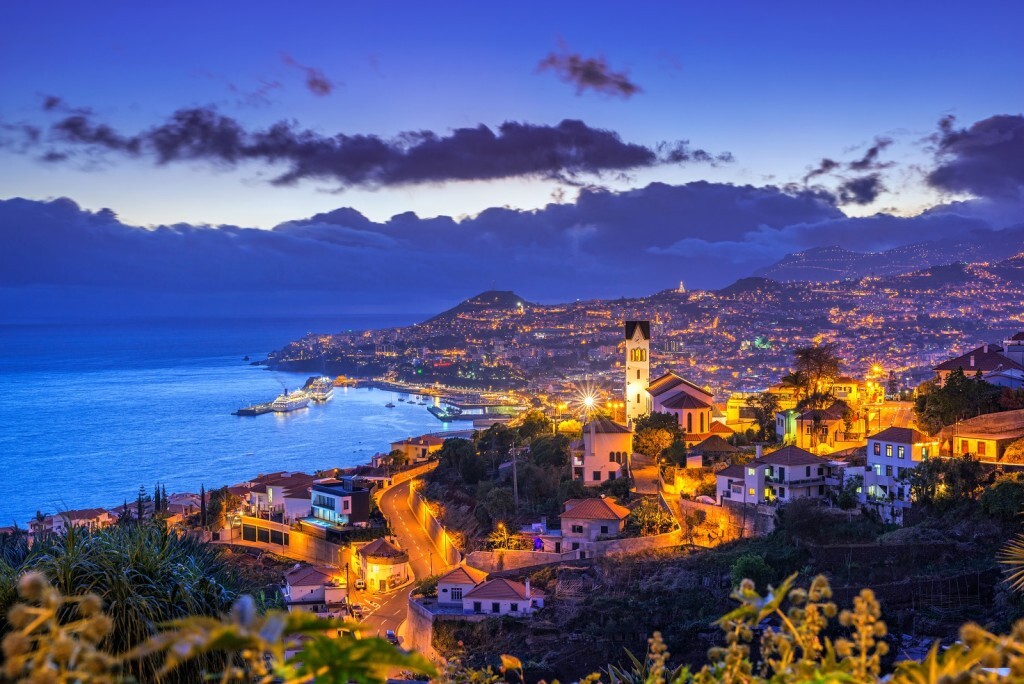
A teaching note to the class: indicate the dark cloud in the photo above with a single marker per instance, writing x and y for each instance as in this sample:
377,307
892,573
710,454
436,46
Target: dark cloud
603,244
316,81
986,159
564,151
825,166
592,73
861,190
869,162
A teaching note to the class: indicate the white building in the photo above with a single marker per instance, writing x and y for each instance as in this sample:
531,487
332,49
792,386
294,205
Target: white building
607,448
315,589
891,453
455,584
382,565
638,369
688,402
502,596
781,476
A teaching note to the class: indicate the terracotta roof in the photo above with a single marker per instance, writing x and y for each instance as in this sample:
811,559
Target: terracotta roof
791,456
715,445
310,575
594,509
1003,425
1017,337
84,514
501,588
733,471
382,548
464,574
721,428
604,425
685,401
423,440
900,435
987,357
833,412
670,380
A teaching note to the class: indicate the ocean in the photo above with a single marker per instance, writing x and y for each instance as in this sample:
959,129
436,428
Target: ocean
89,412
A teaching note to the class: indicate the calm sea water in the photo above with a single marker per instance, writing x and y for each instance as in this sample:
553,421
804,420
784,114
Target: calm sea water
90,412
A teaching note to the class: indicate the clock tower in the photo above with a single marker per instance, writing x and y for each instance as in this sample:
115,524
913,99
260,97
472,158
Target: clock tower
638,369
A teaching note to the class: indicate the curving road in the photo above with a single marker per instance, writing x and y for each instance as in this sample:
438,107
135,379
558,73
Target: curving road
424,560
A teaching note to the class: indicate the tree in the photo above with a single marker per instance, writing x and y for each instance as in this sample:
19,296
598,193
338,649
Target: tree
202,506
531,424
958,398
945,481
1005,498
652,441
649,518
818,365
676,453
550,450
764,406
659,421
503,537
753,567
140,503
692,522
498,503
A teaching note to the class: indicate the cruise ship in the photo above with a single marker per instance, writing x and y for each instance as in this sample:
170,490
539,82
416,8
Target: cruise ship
321,389
290,402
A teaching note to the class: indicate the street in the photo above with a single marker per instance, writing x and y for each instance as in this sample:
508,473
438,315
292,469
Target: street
423,558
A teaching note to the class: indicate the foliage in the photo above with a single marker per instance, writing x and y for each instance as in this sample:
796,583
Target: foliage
659,421
958,398
648,518
144,575
848,496
751,566
531,424
1014,452
504,537
764,406
676,453
942,482
652,441
458,458
426,586
550,450
1005,498
818,367
692,522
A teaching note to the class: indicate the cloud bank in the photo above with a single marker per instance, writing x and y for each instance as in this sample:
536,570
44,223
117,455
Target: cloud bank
986,159
566,151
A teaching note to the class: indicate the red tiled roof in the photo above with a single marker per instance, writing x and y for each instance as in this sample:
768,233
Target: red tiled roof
594,509
721,428
310,575
733,471
899,435
382,548
670,380
502,589
602,425
464,574
685,401
791,456
715,445
424,440
987,358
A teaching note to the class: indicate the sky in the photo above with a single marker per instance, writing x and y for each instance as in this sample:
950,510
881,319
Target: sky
258,115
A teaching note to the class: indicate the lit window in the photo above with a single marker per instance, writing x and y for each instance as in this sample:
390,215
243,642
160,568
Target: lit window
888,450
924,452
878,449
750,471
901,452
750,491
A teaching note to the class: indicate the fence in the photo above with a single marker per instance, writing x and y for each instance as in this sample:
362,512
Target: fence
433,527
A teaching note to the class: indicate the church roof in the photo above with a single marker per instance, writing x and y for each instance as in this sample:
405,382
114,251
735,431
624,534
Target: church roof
644,327
685,401
670,381
602,425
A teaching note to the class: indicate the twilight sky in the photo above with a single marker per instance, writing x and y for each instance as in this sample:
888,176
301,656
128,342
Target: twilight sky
772,126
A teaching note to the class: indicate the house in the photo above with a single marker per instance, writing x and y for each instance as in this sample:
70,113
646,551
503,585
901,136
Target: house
891,453
339,503
453,585
87,518
848,389
714,449
281,494
502,596
985,437
688,402
823,429
418,449
781,476
988,358
607,448
315,589
587,520
382,565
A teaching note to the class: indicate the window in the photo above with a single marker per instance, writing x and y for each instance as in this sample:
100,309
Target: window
702,423
878,469
346,505
637,373
782,473
604,529
963,446
575,546
808,473
768,492
981,448
888,450
495,607
611,457
478,607
689,422
901,493
821,490
611,475
577,529
888,471
597,476
750,471
513,607
808,430
750,491
901,452
877,449
456,593
924,452
782,492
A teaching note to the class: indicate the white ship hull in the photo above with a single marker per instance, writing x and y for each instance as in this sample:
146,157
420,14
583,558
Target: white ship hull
290,402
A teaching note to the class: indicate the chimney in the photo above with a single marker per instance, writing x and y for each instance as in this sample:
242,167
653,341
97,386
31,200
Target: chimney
972,360
759,449
984,349
527,587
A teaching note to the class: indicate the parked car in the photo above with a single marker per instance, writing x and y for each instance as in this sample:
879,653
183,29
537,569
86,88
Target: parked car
360,584
357,612
391,636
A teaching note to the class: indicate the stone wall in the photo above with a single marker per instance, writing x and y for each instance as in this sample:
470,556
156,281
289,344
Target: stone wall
433,527
729,521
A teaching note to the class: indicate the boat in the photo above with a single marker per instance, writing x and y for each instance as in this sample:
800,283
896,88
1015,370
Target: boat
389,405
321,389
290,402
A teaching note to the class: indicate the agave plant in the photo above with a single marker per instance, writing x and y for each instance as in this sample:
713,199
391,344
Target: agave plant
1012,556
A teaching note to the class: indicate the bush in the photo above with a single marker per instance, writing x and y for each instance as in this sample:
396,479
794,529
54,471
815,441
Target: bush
1004,499
753,567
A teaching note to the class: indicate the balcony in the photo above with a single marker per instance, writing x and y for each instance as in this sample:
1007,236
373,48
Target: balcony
801,482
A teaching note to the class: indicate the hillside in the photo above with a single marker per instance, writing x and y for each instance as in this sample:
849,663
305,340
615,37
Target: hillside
491,300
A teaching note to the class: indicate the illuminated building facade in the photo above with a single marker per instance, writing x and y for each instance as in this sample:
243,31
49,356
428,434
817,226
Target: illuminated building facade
638,369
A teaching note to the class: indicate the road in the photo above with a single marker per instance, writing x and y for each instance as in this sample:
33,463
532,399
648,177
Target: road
423,558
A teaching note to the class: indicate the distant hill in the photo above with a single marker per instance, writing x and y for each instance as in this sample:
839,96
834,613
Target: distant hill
491,300
826,264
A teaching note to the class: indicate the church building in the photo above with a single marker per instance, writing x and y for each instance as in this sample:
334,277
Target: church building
638,369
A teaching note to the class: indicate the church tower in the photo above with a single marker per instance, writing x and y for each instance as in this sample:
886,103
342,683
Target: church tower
638,369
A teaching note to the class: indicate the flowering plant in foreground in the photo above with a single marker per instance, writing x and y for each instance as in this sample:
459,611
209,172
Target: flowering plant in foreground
59,639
